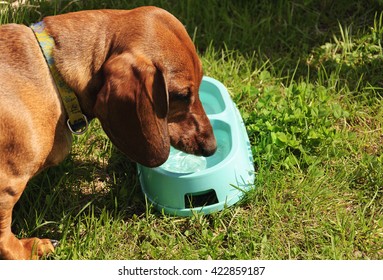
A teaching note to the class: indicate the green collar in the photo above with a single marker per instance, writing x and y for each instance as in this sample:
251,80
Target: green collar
77,121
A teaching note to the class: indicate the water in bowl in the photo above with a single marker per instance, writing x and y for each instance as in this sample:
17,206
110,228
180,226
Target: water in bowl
223,149
180,162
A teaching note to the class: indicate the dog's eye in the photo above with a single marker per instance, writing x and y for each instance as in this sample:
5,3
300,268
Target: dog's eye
179,96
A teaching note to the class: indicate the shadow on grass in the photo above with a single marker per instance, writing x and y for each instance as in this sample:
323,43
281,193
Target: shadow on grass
63,193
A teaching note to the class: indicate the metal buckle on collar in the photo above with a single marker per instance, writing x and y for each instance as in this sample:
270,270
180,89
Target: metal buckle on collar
79,127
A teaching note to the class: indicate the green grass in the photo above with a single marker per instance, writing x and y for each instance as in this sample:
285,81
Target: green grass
306,76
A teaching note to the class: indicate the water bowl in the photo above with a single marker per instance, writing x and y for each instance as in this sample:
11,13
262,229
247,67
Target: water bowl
186,183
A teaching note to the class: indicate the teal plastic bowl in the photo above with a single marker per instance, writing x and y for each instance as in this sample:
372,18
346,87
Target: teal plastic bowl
186,183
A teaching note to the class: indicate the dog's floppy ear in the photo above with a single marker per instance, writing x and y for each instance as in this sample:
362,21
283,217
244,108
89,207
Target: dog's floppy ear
132,107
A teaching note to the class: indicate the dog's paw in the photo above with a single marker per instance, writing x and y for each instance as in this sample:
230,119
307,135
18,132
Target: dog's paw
39,247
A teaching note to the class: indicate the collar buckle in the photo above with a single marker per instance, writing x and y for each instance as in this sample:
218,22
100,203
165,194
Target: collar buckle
79,127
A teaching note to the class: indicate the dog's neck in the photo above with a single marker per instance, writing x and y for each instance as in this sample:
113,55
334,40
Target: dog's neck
77,121
78,63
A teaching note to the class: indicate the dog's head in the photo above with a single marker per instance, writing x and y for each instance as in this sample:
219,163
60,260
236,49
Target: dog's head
150,100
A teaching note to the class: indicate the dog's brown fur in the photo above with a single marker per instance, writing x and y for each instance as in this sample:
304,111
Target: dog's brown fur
136,71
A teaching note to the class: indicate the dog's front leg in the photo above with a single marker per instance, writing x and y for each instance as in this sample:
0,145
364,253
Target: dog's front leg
10,246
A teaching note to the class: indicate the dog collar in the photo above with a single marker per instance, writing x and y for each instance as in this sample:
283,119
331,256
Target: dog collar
77,121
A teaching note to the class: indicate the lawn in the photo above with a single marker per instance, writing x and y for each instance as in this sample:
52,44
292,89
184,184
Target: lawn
307,79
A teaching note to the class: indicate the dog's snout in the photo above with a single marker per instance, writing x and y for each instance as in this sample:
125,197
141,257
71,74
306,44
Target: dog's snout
209,152
209,147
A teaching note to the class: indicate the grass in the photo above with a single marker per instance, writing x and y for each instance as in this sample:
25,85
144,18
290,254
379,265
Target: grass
306,76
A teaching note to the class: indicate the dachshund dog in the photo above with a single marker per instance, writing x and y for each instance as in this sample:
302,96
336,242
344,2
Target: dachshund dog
137,71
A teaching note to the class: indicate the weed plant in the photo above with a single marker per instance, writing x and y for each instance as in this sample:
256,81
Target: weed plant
306,77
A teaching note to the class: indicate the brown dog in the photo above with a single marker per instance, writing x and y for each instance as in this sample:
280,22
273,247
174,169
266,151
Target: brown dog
136,71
